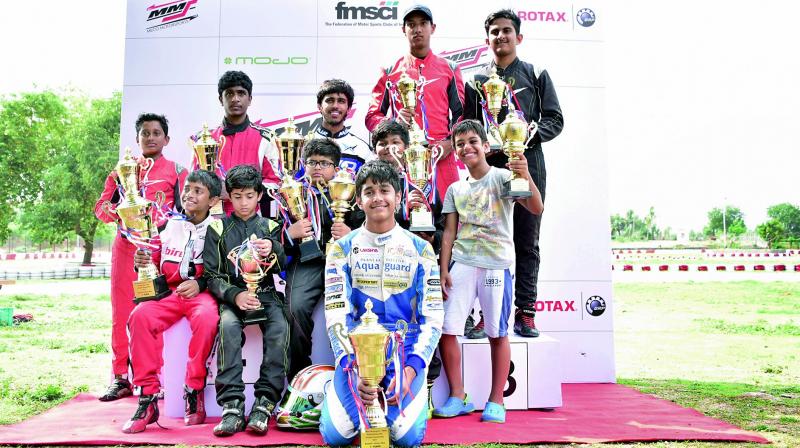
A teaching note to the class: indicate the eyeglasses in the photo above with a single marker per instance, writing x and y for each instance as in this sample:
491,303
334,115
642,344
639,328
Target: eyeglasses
319,163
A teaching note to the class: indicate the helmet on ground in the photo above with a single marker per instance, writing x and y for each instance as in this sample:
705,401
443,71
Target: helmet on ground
301,406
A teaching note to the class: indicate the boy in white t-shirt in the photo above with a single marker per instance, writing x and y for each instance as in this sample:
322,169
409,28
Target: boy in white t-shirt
476,262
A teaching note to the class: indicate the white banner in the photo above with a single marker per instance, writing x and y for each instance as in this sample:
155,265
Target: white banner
176,51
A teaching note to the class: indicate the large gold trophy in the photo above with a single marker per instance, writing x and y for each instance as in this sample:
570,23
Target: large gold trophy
206,152
135,213
417,164
292,192
341,189
514,132
495,89
253,270
407,88
370,340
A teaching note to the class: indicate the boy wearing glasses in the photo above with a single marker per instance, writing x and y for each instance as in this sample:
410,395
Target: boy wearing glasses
304,280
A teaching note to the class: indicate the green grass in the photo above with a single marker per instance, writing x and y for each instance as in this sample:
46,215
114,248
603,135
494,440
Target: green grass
729,350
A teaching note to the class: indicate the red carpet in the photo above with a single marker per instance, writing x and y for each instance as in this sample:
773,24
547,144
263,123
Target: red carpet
591,413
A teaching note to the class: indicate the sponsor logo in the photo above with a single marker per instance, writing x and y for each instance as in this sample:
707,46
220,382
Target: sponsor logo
334,305
383,239
266,60
434,303
331,271
465,57
585,17
434,282
366,250
168,15
366,266
555,305
172,252
389,283
542,16
333,288
385,10
367,282
332,297
595,305
331,280
396,267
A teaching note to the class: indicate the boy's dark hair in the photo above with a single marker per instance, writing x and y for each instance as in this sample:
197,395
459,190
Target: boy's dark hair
324,147
234,78
152,117
387,128
468,126
336,86
207,179
380,172
243,176
502,14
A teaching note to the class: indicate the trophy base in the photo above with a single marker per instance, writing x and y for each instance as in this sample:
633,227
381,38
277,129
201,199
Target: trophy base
375,438
309,250
516,189
421,221
145,290
255,316
217,210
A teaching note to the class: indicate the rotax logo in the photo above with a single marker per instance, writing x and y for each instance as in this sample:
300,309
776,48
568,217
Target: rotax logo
168,15
542,16
585,17
555,305
266,60
595,305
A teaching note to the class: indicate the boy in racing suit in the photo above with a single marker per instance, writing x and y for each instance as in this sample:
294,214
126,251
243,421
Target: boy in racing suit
397,271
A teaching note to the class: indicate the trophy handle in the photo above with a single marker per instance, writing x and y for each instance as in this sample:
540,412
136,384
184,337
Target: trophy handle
160,199
402,326
338,331
110,212
397,157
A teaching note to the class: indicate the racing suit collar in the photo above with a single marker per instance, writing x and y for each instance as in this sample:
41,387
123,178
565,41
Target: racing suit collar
238,219
381,239
415,61
510,67
228,129
326,133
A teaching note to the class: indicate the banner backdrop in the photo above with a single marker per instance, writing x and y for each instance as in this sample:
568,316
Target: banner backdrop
176,51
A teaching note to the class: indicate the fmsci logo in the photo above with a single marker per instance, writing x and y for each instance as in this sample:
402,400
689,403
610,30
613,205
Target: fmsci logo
595,305
585,17
170,14
386,10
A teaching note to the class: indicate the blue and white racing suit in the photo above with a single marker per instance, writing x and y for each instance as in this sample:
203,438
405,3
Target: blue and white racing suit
399,272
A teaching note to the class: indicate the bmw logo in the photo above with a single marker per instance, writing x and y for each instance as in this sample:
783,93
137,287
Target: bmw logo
595,305
585,17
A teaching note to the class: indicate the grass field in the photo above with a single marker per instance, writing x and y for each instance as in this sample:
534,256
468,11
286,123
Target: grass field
730,350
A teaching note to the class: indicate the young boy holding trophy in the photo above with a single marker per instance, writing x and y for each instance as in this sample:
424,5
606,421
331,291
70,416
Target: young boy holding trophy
241,253
160,181
180,258
381,282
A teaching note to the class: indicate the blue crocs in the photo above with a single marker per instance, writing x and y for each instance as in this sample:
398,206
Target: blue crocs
454,407
494,413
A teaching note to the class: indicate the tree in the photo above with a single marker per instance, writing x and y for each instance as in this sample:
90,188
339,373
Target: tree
733,220
788,215
772,231
75,176
32,128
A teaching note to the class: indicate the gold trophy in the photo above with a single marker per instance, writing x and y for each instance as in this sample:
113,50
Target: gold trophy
407,88
293,193
369,340
135,213
206,152
514,133
253,270
341,189
416,161
495,89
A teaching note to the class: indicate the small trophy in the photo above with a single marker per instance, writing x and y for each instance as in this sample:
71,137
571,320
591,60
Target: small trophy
253,270
369,340
293,193
407,88
135,213
341,189
416,161
495,89
514,132
206,151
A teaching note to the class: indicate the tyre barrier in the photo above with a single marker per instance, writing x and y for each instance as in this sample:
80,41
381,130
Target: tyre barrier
663,267
738,267
683,267
779,267
721,268
797,268
702,268
645,268
759,267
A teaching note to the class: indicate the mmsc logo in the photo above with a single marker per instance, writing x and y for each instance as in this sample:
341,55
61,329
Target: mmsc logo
265,60
170,14
386,10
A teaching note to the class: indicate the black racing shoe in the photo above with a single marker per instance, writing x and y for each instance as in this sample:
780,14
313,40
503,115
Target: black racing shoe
259,416
524,324
232,419
119,388
469,324
477,331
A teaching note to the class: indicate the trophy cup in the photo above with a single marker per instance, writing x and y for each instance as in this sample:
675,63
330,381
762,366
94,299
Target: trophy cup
135,213
253,270
495,89
369,340
416,161
514,133
206,151
407,88
341,189
294,200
